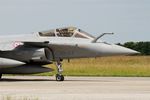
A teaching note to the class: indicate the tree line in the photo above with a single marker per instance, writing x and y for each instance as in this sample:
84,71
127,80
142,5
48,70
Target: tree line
142,47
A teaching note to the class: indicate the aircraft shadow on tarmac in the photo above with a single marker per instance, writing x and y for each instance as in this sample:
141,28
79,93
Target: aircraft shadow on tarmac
67,80
15,80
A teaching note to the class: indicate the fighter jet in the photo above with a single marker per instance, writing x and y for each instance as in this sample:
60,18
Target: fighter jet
27,54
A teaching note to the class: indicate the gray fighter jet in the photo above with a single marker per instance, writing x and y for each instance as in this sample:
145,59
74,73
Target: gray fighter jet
26,54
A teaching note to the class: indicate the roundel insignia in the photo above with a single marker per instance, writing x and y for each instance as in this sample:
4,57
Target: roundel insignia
16,44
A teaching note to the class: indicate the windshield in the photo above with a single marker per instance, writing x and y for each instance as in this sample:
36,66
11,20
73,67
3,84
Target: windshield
82,34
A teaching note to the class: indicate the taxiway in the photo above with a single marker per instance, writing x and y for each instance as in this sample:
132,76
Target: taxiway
75,88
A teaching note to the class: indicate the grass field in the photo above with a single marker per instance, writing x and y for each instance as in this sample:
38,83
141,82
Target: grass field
107,66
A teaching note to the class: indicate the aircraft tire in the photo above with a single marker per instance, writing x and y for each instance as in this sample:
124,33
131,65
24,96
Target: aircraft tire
0,76
59,77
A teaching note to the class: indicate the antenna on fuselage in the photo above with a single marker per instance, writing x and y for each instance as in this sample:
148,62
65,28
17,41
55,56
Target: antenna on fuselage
95,40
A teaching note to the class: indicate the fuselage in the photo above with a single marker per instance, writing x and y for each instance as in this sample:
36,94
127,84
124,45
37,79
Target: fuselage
73,47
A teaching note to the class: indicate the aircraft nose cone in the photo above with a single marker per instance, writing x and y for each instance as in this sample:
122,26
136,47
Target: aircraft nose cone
125,51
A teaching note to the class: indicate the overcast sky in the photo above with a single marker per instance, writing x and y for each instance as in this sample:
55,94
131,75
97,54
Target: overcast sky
129,19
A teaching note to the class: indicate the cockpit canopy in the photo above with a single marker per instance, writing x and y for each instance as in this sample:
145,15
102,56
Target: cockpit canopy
66,32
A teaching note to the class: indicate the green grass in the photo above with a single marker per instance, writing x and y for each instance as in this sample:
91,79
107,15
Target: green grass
106,66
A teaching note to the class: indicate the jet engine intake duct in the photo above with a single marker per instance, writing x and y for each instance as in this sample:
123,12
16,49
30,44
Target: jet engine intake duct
42,56
48,54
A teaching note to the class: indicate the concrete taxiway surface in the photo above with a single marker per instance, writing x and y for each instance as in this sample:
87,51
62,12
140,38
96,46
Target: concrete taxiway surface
74,88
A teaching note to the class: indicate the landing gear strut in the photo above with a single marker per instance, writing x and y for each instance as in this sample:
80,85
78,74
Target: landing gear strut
59,76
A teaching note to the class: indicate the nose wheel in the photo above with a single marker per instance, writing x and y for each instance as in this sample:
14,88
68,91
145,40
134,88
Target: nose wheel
59,76
0,76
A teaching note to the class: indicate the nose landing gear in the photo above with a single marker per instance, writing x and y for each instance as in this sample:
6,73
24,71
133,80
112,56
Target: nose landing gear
59,76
